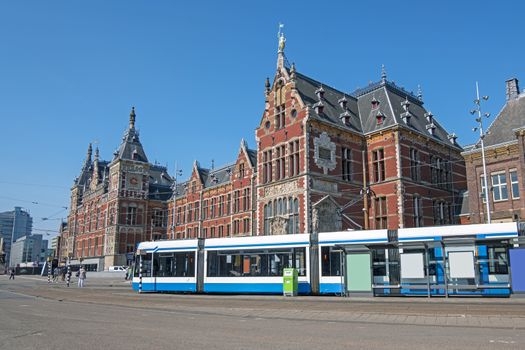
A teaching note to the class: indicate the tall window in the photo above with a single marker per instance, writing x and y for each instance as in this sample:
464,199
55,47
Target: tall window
293,163
228,204
245,225
236,201
221,205
246,199
378,162
280,163
213,205
499,187
204,209
293,210
267,215
418,212
514,184
415,172
190,212
158,218
381,213
347,164
241,170
279,117
267,166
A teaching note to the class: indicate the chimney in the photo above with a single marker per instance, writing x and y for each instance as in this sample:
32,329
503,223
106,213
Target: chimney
513,89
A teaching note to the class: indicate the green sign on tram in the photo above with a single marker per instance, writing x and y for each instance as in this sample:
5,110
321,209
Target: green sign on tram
290,282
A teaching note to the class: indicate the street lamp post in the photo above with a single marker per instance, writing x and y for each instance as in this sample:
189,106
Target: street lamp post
482,134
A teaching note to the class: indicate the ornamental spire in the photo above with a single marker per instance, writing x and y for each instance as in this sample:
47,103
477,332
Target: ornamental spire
132,118
282,44
383,73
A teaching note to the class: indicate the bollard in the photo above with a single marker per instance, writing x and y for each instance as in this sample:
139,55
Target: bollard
68,277
49,268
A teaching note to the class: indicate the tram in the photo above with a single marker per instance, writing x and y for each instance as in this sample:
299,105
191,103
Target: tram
429,261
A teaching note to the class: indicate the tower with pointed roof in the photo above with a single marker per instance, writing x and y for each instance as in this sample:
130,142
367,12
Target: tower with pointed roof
116,204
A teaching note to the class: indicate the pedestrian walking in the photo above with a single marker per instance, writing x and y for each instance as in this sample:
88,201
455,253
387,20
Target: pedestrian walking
63,274
81,277
12,274
55,275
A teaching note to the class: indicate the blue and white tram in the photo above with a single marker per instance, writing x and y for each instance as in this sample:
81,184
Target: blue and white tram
439,260
331,248
255,264
456,260
167,266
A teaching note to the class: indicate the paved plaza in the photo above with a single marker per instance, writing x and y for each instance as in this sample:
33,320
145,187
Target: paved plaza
107,314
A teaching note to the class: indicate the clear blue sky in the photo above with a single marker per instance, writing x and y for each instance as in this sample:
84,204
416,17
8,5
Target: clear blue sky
195,71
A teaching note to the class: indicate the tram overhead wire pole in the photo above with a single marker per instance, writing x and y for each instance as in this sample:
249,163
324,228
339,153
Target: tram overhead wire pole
482,134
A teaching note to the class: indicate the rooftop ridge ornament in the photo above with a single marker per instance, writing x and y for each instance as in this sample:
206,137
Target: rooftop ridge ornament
280,50
419,93
282,39
383,73
132,116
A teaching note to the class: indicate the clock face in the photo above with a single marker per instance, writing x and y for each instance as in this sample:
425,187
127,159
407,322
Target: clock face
133,182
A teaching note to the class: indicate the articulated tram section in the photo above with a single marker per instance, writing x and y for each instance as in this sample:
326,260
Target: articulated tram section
461,260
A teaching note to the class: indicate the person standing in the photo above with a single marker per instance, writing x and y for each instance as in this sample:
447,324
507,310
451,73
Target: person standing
81,277
12,274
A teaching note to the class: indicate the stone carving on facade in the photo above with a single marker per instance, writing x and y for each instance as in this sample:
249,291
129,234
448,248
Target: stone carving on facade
326,216
279,225
282,189
322,145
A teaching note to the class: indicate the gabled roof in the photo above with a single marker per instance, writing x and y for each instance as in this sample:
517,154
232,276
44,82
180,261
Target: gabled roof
363,118
511,117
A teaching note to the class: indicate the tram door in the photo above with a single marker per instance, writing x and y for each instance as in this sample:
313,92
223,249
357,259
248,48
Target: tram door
358,272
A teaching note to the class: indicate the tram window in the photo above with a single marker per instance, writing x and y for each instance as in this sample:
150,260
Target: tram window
261,263
331,261
498,261
175,265
146,266
379,262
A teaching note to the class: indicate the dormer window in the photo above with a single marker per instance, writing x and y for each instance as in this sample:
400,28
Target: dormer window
430,117
375,103
431,128
319,107
452,138
343,102
380,117
345,118
320,93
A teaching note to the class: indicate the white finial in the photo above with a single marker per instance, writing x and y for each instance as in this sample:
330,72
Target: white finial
383,72
419,93
282,39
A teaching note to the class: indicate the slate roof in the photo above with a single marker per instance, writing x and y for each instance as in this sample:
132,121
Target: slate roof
252,154
511,117
160,183
131,148
363,118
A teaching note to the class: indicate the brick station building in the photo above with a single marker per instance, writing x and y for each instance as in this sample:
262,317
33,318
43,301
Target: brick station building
115,205
327,160
324,160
